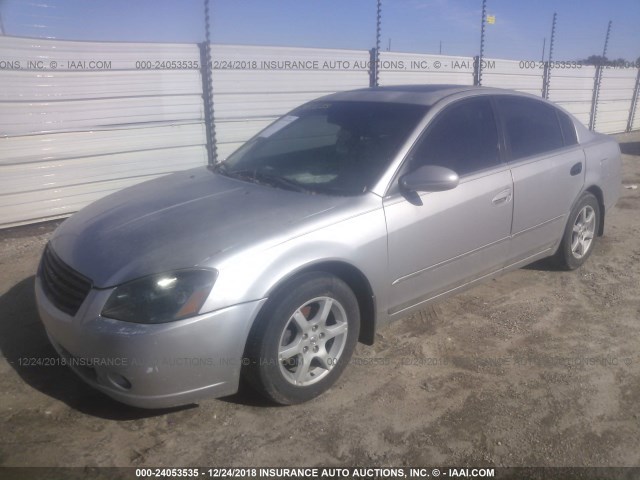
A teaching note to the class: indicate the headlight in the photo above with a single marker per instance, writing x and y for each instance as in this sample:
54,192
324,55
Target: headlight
161,298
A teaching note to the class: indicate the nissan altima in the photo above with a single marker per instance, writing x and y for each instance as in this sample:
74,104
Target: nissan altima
349,212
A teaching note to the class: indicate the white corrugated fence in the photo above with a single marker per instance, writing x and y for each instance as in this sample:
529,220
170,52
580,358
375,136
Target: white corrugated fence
79,120
252,86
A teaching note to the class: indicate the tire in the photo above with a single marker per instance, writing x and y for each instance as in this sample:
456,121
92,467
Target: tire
580,233
303,339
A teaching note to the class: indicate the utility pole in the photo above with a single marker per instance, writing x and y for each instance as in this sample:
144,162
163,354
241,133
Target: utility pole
440,51
544,45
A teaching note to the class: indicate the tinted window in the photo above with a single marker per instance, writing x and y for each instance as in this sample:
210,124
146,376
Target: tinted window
337,148
463,138
568,129
531,126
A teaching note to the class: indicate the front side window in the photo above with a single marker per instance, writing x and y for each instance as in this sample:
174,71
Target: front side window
339,148
531,126
463,138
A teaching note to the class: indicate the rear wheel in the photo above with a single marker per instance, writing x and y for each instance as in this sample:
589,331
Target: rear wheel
303,339
580,233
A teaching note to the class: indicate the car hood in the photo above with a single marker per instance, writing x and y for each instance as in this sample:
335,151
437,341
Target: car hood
179,221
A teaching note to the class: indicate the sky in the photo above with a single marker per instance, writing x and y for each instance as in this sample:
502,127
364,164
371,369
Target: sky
422,26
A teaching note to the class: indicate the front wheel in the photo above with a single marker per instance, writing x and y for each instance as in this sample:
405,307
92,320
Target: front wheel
580,233
303,339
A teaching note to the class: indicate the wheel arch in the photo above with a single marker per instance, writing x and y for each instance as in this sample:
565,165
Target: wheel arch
357,282
596,191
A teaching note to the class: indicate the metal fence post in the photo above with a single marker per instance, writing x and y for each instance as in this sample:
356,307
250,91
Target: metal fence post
598,81
478,79
373,68
606,41
375,52
634,101
594,98
546,74
476,66
545,80
207,97
206,72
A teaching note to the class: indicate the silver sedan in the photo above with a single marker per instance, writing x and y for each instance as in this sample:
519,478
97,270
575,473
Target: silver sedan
348,213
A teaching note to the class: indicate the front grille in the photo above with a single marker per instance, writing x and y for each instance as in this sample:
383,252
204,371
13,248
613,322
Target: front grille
64,287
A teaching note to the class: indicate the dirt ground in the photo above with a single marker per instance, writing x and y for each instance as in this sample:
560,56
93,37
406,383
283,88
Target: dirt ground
536,368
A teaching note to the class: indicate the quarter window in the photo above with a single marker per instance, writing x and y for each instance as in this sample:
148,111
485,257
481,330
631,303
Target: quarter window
568,129
531,126
463,138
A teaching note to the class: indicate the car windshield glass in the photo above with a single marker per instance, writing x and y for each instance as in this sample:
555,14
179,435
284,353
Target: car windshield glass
336,148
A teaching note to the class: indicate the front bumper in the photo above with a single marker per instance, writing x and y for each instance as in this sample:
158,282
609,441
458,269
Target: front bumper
151,366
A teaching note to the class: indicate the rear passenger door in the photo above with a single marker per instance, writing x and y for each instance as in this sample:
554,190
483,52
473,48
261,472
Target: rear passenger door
548,169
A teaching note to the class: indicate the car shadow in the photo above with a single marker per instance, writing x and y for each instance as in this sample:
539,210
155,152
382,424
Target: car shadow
24,343
545,265
248,397
630,148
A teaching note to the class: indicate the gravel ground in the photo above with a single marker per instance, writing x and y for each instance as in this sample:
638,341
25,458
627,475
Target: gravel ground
536,368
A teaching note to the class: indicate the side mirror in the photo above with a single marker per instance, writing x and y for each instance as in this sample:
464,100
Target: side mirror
429,178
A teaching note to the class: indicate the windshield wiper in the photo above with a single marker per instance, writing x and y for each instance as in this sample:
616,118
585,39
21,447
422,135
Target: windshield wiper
262,178
283,182
220,168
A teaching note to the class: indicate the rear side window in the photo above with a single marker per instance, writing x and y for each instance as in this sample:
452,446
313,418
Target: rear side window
463,138
531,127
568,129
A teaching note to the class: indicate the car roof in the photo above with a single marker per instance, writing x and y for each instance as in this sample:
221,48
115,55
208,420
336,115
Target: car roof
429,95
414,94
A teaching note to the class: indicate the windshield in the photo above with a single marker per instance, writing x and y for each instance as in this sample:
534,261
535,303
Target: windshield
338,148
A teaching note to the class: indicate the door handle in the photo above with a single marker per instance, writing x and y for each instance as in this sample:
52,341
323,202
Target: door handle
502,197
576,169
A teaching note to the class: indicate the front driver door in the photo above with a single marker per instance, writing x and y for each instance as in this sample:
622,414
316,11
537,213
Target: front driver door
441,240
